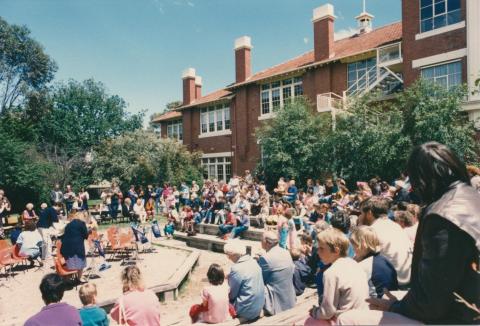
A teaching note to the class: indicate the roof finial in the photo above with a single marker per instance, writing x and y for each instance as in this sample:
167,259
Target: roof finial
364,20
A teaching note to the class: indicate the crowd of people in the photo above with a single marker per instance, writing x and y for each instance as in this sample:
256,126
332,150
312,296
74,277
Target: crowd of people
398,252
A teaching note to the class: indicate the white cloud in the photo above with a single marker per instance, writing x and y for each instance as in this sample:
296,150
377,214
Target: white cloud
346,32
305,40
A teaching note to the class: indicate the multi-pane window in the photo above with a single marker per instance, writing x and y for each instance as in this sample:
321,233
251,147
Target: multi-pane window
438,13
361,74
447,75
219,168
215,118
276,94
175,129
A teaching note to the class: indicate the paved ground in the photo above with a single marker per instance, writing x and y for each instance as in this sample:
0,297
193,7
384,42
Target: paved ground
22,298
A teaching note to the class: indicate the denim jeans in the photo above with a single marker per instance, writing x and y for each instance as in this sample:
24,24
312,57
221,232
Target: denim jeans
113,210
225,228
238,230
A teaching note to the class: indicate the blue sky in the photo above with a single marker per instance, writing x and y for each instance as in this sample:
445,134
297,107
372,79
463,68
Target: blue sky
139,48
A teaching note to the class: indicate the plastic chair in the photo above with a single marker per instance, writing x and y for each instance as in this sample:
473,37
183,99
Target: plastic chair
4,244
17,256
6,260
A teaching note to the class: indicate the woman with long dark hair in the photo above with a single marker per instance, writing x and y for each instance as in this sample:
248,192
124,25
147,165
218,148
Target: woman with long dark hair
445,265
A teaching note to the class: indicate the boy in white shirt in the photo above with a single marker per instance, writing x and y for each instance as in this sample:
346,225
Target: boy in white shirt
345,282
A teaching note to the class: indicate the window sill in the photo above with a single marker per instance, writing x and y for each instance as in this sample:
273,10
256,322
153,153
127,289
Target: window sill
216,133
440,30
266,116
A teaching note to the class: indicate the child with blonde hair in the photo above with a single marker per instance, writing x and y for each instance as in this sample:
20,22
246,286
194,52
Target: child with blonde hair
380,272
90,313
345,283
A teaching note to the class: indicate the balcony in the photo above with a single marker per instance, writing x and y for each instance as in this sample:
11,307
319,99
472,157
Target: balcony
329,102
389,55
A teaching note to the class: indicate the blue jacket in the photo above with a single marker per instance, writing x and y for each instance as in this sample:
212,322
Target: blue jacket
246,288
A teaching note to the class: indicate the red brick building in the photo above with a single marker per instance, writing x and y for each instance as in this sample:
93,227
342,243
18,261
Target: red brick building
436,39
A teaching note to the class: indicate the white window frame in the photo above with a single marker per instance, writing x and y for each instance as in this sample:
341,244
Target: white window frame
175,129
434,80
445,13
214,161
219,113
370,75
289,83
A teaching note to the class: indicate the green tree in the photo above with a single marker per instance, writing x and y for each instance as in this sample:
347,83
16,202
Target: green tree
290,142
434,113
141,157
24,172
24,66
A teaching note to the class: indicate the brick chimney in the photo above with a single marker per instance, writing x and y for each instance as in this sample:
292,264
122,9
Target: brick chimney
188,77
198,87
243,67
323,30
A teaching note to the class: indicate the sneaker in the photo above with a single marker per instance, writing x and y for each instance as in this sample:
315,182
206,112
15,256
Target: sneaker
104,267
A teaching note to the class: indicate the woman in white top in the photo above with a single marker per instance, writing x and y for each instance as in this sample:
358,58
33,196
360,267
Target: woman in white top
139,211
30,242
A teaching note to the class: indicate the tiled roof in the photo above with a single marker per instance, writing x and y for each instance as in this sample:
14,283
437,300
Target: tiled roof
346,47
350,46
170,115
218,95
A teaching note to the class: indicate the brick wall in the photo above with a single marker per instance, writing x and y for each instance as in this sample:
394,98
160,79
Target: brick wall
437,44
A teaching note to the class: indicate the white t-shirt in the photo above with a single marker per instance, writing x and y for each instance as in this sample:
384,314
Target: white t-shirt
395,246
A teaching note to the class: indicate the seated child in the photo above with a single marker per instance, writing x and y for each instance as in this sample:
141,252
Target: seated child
150,208
345,282
380,272
341,221
243,223
171,222
215,307
301,276
188,220
230,222
91,314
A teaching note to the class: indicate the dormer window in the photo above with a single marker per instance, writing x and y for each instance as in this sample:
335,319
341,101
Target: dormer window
438,13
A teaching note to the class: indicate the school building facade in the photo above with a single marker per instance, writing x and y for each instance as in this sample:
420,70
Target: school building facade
438,40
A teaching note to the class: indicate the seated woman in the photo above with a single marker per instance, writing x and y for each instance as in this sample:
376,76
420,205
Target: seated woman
380,272
127,210
139,211
137,305
30,242
29,213
73,244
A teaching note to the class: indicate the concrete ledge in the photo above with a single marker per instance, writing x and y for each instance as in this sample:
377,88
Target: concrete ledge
204,241
212,229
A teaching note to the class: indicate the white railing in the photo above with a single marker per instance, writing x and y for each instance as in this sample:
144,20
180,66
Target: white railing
389,54
327,102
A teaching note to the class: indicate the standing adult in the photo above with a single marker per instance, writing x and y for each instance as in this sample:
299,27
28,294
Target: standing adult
115,194
5,208
84,196
56,195
69,197
73,244
158,196
446,253
245,281
277,271
132,194
47,216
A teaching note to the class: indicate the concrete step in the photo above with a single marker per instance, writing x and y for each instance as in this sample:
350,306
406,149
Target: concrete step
213,243
212,229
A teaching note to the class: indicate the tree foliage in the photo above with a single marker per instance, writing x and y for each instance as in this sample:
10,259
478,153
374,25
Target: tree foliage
141,157
23,171
82,114
373,137
24,66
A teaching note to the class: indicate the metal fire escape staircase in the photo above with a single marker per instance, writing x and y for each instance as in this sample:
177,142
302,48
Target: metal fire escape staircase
381,78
